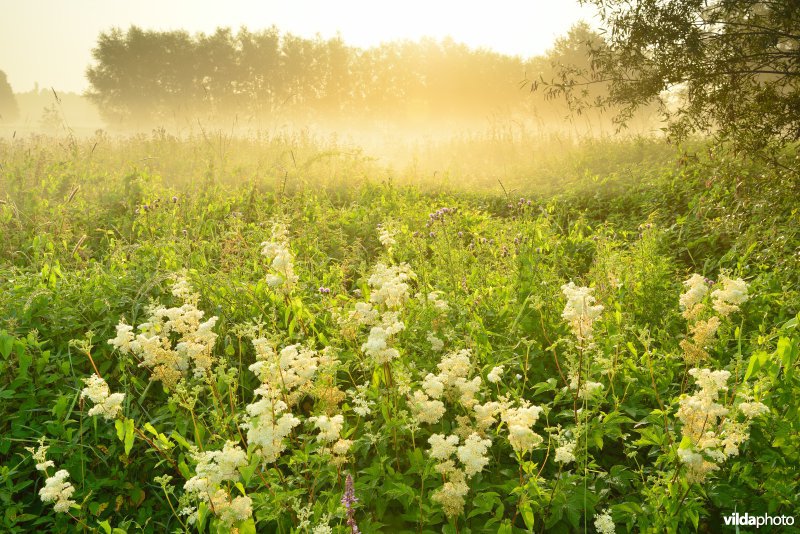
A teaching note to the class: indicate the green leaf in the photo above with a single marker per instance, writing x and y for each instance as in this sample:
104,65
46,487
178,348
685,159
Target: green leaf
106,526
6,343
527,515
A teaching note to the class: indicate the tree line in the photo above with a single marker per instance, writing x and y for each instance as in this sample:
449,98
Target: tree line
144,76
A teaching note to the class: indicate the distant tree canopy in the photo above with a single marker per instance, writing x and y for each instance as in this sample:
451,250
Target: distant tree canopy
141,76
727,67
9,111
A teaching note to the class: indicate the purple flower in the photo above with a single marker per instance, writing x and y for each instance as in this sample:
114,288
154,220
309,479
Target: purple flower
348,500
324,290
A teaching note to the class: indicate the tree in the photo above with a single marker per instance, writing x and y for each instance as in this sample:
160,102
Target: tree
730,68
9,111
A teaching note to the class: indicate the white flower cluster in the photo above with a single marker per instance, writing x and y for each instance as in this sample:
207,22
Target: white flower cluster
283,275
435,298
56,489
436,343
361,404
727,299
691,301
711,430
451,381
154,342
40,456
105,404
496,374
587,388
390,285
472,456
565,452
386,236
330,429
604,523
580,311
268,423
520,421
378,345
213,469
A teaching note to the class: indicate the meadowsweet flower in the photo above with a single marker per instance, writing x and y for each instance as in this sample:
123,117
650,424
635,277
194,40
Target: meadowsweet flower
702,333
520,421
229,510
329,427
565,453
580,311
215,467
172,340
603,522
436,343
691,301
390,285
433,386
496,374
56,489
451,495
425,409
40,456
442,447
727,299
485,414
386,237
283,275
472,454
105,404
752,409
439,303
268,426
361,405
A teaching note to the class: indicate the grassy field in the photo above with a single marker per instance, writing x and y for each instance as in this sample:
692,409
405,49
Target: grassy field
494,333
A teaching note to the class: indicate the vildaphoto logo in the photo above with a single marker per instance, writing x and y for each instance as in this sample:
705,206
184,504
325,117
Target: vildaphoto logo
746,520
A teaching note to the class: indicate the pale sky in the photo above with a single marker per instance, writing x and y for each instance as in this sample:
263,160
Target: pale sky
50,41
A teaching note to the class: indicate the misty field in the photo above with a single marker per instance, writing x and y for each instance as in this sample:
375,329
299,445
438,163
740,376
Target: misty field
484,334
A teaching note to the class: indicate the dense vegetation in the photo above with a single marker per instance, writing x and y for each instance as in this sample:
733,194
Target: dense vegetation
503,357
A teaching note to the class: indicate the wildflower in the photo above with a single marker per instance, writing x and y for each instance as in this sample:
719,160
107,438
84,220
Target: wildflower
390,285
473,454
386,237
451,495
520,422
268,426
580,311
496,374
57,490
425,409
348,500
329,427
361,405
172,339
40,456
215,467
436,343
442,448
324,290
108,405
565,453
277,250
433,386
691,301
603,522
438,302
727,299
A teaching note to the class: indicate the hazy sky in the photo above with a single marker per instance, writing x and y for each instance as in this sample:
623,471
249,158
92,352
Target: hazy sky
50,41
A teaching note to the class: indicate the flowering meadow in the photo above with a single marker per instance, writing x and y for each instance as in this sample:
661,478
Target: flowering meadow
195,340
